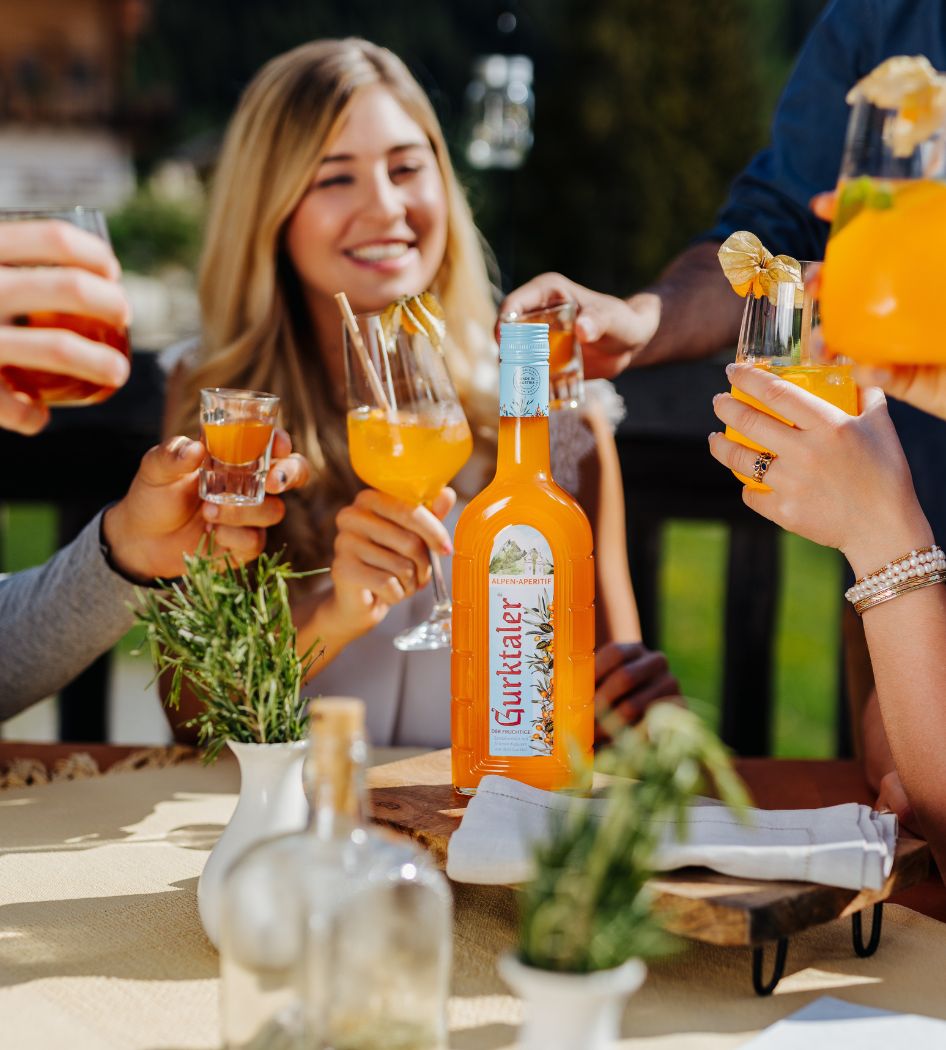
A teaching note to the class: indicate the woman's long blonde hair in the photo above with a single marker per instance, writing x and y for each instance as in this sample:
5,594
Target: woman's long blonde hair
257,332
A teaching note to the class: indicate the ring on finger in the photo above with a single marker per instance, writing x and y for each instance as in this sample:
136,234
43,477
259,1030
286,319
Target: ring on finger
761,465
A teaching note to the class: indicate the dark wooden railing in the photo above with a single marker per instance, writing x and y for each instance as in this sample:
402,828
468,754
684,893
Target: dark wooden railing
87,458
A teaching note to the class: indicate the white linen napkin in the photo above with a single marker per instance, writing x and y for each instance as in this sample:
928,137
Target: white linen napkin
848,845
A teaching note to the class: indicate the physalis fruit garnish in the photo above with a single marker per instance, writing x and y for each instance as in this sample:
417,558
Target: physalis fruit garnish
912,87
750,267
417,315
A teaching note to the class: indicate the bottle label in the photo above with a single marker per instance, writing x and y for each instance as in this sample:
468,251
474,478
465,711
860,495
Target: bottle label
521,644
524,389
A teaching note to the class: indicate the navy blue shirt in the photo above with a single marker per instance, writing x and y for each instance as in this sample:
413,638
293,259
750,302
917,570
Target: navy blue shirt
771,196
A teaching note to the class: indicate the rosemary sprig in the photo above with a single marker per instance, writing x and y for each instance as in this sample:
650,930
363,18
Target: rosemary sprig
227,632
588,907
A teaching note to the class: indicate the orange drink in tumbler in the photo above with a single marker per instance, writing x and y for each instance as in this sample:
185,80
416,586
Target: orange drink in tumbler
833,383
236,427
777,324
882,294
238,443
405,454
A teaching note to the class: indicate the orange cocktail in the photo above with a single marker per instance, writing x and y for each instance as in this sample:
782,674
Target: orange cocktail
237,428
238,443
405,454
882,298
833,383
55,389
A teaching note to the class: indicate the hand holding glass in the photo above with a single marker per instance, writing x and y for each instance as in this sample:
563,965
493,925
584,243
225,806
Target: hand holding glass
53,388
407,436
236,428
776,335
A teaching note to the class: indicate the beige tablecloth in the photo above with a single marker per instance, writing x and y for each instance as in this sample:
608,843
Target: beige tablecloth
101,947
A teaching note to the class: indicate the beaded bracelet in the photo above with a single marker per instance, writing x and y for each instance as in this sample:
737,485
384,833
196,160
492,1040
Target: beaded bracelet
909,572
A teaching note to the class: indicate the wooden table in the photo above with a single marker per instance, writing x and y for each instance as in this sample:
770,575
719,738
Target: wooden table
102,945
415,797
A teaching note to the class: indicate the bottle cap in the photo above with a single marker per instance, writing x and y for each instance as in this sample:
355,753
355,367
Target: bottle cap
523,344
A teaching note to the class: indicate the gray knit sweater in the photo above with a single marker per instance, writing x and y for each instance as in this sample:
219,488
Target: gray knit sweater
57,618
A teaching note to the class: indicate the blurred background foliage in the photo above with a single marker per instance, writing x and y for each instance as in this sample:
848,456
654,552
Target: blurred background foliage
644,109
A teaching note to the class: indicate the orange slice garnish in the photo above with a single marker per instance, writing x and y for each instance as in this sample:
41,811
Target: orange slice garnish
750,267
912,87
417,315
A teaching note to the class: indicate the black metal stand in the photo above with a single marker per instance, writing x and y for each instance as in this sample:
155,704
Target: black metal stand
781,951
864,951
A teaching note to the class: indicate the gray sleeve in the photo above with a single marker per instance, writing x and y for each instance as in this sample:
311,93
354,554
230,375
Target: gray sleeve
57,618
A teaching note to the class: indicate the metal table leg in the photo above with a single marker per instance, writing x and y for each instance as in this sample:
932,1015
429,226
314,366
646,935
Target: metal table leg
781,950
857,932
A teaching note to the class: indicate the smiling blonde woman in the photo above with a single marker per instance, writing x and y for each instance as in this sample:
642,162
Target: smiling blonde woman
335,176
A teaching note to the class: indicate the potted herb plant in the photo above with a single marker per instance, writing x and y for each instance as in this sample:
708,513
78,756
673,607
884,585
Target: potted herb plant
227,632
586,922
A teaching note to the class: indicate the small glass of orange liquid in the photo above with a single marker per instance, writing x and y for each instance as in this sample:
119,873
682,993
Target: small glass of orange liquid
566,368
236,427
776,335
882,298
59,390
407,436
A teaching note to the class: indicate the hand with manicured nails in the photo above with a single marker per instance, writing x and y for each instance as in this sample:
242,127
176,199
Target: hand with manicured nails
629,677
162,517
381,556
839,480
53,266
610,330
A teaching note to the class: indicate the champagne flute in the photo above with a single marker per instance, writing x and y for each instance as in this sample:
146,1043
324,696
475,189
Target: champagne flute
64,390
776,335
407,436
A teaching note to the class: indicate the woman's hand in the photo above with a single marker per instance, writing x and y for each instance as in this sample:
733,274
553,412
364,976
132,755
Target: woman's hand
53,266
629,677
163,517
381,556
610,330
840,480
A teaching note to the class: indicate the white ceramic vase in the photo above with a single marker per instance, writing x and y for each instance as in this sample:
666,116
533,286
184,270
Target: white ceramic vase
272,801
571,1011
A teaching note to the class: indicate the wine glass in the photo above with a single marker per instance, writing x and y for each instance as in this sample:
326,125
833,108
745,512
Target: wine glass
776,335
882,300
64,390
407,436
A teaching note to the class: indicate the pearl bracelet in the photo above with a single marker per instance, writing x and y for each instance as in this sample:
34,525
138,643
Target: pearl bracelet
909,572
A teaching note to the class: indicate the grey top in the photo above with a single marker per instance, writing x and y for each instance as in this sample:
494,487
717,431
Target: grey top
57,618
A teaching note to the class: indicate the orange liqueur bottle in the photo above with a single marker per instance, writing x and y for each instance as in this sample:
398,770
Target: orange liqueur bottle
522,668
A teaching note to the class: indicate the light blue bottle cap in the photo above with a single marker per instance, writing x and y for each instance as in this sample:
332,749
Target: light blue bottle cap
524,344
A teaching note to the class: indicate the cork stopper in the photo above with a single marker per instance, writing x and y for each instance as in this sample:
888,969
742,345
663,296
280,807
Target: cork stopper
337,716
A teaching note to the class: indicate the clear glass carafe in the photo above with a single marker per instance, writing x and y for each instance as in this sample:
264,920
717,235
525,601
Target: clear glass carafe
335,937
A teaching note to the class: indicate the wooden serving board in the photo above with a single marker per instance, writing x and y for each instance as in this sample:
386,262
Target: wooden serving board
415,797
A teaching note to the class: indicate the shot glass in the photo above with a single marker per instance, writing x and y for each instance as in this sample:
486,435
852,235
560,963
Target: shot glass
566,369
237,429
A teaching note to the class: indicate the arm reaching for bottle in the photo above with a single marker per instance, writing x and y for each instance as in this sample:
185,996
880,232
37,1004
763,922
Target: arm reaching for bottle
688,313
